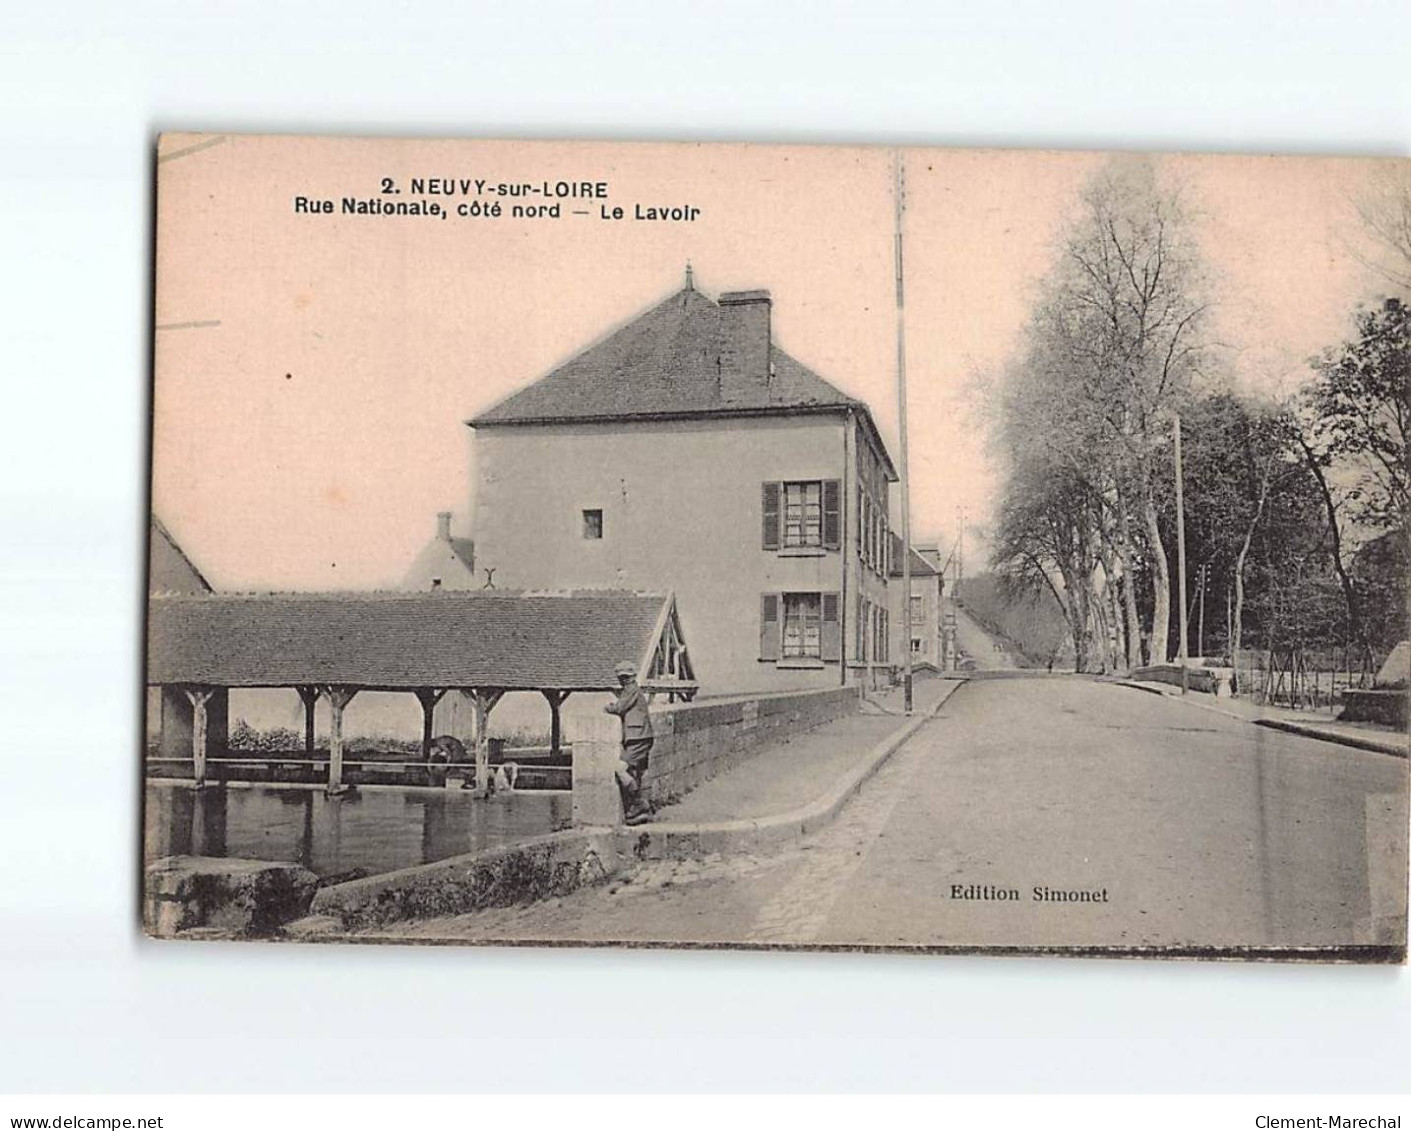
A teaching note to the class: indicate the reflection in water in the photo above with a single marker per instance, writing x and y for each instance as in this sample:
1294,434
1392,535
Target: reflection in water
377,830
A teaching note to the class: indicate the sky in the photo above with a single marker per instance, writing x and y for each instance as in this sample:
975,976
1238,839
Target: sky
314,372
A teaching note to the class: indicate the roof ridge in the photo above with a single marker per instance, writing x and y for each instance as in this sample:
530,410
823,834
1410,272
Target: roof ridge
665,362
614,329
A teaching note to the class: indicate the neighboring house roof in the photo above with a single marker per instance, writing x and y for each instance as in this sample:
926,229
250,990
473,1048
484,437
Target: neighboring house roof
396,641
665,364
169,570
920,567
446,559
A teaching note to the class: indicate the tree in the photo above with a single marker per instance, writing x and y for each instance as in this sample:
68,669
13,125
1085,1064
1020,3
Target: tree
1386,217
1361,404
1110,353
1241,456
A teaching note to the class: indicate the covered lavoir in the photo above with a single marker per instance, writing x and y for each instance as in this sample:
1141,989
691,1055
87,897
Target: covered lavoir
479,644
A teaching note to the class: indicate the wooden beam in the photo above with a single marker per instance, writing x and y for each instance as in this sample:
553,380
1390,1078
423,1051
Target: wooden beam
199,697
338,699
309,697
428,697
555,699
485,700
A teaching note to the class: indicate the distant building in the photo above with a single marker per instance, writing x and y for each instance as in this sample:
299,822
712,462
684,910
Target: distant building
446,562
927,585
687,452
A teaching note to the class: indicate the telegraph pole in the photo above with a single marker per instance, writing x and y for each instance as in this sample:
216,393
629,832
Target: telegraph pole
1200,619
899,192
1181,556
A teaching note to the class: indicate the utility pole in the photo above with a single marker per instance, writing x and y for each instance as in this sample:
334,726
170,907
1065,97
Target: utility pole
899,191
1200,619
960,554
1181,557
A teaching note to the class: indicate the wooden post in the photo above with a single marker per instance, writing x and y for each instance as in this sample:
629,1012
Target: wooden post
309,697
199,696
484,703
338,699
428,697
555,699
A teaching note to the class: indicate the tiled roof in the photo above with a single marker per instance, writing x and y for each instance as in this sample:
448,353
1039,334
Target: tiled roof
920,567
464,548
663,363
482,638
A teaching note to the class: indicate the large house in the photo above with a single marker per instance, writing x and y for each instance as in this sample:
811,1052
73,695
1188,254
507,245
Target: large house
687,452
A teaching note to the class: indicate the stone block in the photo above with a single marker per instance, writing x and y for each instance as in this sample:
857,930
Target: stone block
597,799
224,896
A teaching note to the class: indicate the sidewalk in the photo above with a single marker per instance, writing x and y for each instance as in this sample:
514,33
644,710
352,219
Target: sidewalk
791,774
1310,724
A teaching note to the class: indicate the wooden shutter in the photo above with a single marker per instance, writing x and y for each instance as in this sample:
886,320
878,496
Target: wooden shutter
771,507
832,516
769,616
831,636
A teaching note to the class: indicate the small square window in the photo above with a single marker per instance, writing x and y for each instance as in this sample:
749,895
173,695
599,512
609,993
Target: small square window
593,524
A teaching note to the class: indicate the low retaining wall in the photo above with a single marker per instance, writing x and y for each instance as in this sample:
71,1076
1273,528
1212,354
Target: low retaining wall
1215,681
1378,705
550,865
697,741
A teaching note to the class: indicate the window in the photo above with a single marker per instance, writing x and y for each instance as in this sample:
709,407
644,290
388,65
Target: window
803,514
803,622
917,608
916,645
593,524
800,627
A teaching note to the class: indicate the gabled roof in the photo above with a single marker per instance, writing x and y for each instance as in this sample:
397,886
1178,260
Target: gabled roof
451,560
665,364
920,567
481,638
169,570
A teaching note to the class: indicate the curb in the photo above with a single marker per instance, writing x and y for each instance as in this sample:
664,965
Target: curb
1303,730
668,841
1357,741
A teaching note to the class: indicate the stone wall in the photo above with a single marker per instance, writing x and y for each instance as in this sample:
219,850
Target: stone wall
1386,706
1216,681
697,741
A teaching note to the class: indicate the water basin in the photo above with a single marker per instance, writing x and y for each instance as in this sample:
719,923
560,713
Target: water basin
372,829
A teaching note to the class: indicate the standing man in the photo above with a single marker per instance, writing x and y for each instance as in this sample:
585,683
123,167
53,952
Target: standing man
631,707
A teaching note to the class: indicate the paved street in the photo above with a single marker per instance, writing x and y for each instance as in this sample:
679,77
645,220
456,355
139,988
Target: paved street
1190,828
987,652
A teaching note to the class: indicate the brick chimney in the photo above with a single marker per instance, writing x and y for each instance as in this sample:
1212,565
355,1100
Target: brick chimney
443,526
744,353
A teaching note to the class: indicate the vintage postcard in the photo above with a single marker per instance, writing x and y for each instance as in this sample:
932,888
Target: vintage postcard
778,546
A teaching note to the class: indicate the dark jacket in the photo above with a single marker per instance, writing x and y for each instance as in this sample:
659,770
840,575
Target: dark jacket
631,706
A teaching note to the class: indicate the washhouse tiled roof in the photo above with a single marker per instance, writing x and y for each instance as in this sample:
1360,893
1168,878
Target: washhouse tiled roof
482,638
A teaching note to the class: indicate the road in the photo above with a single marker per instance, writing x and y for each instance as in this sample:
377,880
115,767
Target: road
1191,829
988,653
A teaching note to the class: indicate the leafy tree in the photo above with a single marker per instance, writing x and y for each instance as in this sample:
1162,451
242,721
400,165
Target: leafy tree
1110,353
1361,402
